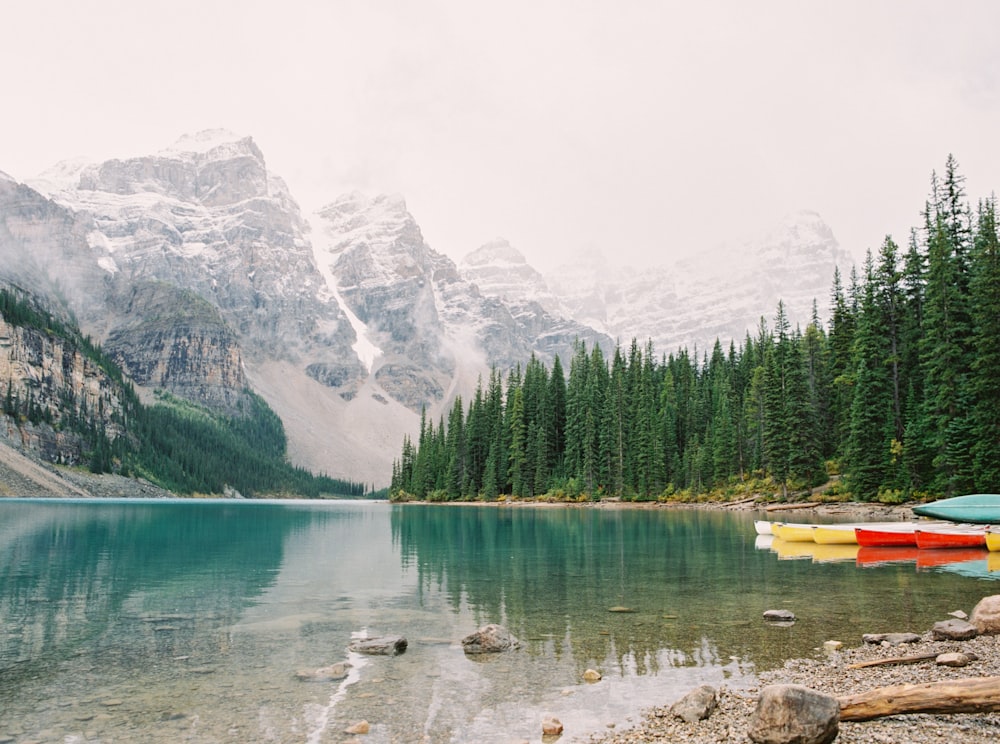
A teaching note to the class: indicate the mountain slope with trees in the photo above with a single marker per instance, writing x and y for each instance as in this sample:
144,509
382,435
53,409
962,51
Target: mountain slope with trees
185,448
900,393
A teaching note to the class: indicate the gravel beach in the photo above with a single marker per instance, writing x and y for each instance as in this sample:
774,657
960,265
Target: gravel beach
828,673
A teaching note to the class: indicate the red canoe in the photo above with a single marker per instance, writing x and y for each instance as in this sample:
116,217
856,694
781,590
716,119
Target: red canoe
951,538
886,537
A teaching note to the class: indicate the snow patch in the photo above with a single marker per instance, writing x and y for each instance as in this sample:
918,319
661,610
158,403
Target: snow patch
202,142
108,264
368,352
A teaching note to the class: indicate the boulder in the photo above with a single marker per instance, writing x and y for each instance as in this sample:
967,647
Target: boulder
954,630
779,616
986,615
893,639
696,706
384,646
592,675
489,639
794,714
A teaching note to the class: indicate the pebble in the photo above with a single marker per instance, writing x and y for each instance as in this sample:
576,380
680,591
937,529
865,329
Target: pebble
730,722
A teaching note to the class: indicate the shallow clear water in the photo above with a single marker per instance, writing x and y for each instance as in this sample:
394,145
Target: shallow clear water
174,621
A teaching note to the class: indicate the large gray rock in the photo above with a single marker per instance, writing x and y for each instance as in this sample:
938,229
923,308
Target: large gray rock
488,639
793,714
986,615
697,705
893,639
954,630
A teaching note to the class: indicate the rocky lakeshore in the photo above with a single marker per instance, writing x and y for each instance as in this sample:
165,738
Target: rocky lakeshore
835,673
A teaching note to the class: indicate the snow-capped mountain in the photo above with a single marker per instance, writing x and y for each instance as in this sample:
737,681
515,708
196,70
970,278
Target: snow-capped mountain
197,271
721,294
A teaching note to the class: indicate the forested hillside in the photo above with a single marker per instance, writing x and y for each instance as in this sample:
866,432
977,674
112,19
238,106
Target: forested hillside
175,444
900,393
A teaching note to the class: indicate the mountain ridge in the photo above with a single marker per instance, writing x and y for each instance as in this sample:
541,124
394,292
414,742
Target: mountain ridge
345,320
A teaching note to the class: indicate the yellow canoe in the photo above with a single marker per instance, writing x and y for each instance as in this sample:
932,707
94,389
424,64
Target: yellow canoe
835,534
992,540
790,532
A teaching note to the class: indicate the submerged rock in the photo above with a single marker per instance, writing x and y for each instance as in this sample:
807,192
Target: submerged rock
551,726
324,674
384,646
361,727
488,639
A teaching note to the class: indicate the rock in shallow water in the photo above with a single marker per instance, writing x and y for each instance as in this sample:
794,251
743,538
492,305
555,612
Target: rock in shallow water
490,638
384,646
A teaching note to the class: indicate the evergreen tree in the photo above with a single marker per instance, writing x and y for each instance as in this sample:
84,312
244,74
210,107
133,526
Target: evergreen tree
985,381
868,446
945,357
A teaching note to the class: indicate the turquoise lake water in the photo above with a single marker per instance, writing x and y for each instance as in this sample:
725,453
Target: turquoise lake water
186,621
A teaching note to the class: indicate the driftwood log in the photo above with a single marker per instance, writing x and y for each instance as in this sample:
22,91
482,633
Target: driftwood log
895,660
786,507
974,695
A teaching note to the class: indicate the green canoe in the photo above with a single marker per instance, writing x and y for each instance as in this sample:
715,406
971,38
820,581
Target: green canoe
980,508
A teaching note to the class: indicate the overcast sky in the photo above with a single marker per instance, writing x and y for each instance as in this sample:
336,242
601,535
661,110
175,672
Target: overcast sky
646,129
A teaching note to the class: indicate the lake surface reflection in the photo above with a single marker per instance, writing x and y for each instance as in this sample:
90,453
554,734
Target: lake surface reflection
187,620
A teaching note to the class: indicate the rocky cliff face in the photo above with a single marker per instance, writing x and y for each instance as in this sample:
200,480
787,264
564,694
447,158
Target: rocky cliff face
433,329
48,379
170,338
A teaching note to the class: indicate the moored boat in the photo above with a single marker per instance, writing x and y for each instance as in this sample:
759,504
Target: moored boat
883,536
793,532
835,534
978,508
951,537
846,533
763,526
993,540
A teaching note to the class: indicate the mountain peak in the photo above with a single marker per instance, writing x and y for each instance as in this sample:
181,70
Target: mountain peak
496,252
220,143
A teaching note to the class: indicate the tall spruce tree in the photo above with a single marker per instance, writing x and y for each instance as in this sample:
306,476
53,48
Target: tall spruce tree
985,381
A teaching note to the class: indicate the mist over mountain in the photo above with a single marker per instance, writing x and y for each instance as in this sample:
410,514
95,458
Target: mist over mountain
198,273
719,294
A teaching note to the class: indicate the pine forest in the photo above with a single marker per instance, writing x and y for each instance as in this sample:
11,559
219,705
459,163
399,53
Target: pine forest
898,397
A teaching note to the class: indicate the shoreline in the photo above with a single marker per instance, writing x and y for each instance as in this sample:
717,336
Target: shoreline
730,722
